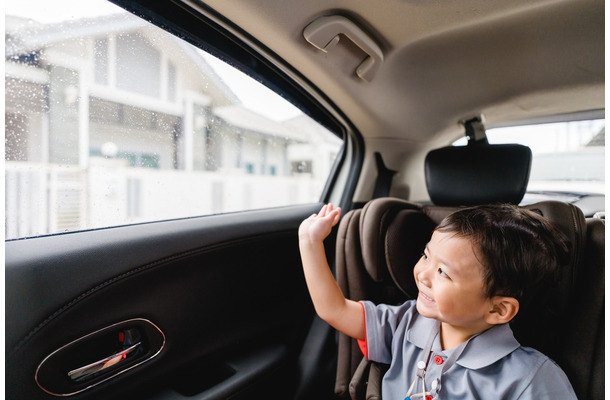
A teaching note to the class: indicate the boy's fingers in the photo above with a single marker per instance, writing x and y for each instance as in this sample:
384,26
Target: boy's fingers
337,216
327,211
323,210
333,216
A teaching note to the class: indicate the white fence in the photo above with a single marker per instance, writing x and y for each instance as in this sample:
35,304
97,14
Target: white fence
42,199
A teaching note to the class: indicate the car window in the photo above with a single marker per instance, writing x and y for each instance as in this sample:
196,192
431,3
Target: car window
568,157
110,120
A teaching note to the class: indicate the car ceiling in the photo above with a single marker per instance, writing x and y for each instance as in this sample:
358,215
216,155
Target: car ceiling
444,61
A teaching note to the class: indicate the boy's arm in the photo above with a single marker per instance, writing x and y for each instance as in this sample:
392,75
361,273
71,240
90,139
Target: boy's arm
342,314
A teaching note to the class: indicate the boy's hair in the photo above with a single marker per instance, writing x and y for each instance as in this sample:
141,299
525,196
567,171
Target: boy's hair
521,252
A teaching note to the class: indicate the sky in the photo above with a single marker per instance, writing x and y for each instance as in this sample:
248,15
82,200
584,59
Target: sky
253,94
56,11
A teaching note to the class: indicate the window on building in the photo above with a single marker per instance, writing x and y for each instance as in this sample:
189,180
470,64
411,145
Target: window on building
100,60
124,123
171,82
138,64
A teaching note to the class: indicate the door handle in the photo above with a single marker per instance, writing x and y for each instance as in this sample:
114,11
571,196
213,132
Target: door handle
117,348
323,33
90,370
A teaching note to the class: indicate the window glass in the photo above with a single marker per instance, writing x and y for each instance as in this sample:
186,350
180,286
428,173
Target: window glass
111,121
568,157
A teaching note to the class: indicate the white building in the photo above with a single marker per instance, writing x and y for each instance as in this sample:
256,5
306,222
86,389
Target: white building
102,103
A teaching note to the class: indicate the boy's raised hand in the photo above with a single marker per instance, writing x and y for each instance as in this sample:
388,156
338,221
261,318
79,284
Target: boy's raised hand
318,226
330,304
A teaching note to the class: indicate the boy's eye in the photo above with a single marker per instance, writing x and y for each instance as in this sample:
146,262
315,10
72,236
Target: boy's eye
424,256
442,273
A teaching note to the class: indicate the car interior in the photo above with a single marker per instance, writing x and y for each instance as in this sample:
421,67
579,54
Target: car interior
216,306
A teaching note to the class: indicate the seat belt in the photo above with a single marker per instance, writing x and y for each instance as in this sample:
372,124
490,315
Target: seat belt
383,182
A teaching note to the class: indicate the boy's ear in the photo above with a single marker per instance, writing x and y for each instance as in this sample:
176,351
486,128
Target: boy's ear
503,309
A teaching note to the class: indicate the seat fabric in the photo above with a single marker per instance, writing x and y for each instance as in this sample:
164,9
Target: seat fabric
580,347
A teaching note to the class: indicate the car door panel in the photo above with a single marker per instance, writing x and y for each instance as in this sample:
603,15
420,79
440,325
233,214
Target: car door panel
226,291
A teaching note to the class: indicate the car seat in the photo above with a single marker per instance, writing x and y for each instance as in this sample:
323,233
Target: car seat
378,245
580,349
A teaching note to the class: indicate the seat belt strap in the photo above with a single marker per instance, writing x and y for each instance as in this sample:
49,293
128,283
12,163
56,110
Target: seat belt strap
384,178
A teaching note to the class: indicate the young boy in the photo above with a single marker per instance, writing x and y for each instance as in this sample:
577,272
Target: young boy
454,341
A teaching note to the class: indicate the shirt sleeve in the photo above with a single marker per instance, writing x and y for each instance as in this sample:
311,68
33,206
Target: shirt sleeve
549,382
362,343
380,323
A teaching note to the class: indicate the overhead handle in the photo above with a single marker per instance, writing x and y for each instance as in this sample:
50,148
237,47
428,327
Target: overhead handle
323,33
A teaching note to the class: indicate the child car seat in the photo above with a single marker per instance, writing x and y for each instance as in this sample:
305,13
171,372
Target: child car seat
378,245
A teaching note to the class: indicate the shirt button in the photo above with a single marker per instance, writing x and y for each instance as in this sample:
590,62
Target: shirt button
438,360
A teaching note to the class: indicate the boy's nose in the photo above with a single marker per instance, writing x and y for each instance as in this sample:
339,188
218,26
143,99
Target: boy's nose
423,274
423,278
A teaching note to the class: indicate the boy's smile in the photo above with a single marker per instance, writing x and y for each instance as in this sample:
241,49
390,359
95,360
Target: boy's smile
449,278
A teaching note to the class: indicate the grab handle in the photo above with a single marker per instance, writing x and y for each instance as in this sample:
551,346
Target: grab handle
90,370
323,33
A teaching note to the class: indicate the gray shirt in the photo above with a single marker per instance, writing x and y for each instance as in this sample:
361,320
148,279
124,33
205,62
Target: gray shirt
492,364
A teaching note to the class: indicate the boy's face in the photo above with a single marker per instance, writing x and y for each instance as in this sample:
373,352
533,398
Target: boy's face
450,282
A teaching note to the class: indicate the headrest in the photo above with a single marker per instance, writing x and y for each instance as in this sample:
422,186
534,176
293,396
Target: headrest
393,234
478,174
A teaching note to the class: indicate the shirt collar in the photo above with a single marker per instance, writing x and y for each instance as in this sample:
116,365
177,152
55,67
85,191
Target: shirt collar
420,329
489,346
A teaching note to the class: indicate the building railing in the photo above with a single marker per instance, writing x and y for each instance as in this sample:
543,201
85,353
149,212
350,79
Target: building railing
46,199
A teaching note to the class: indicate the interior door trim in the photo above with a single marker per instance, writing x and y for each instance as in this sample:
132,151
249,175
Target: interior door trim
89,336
